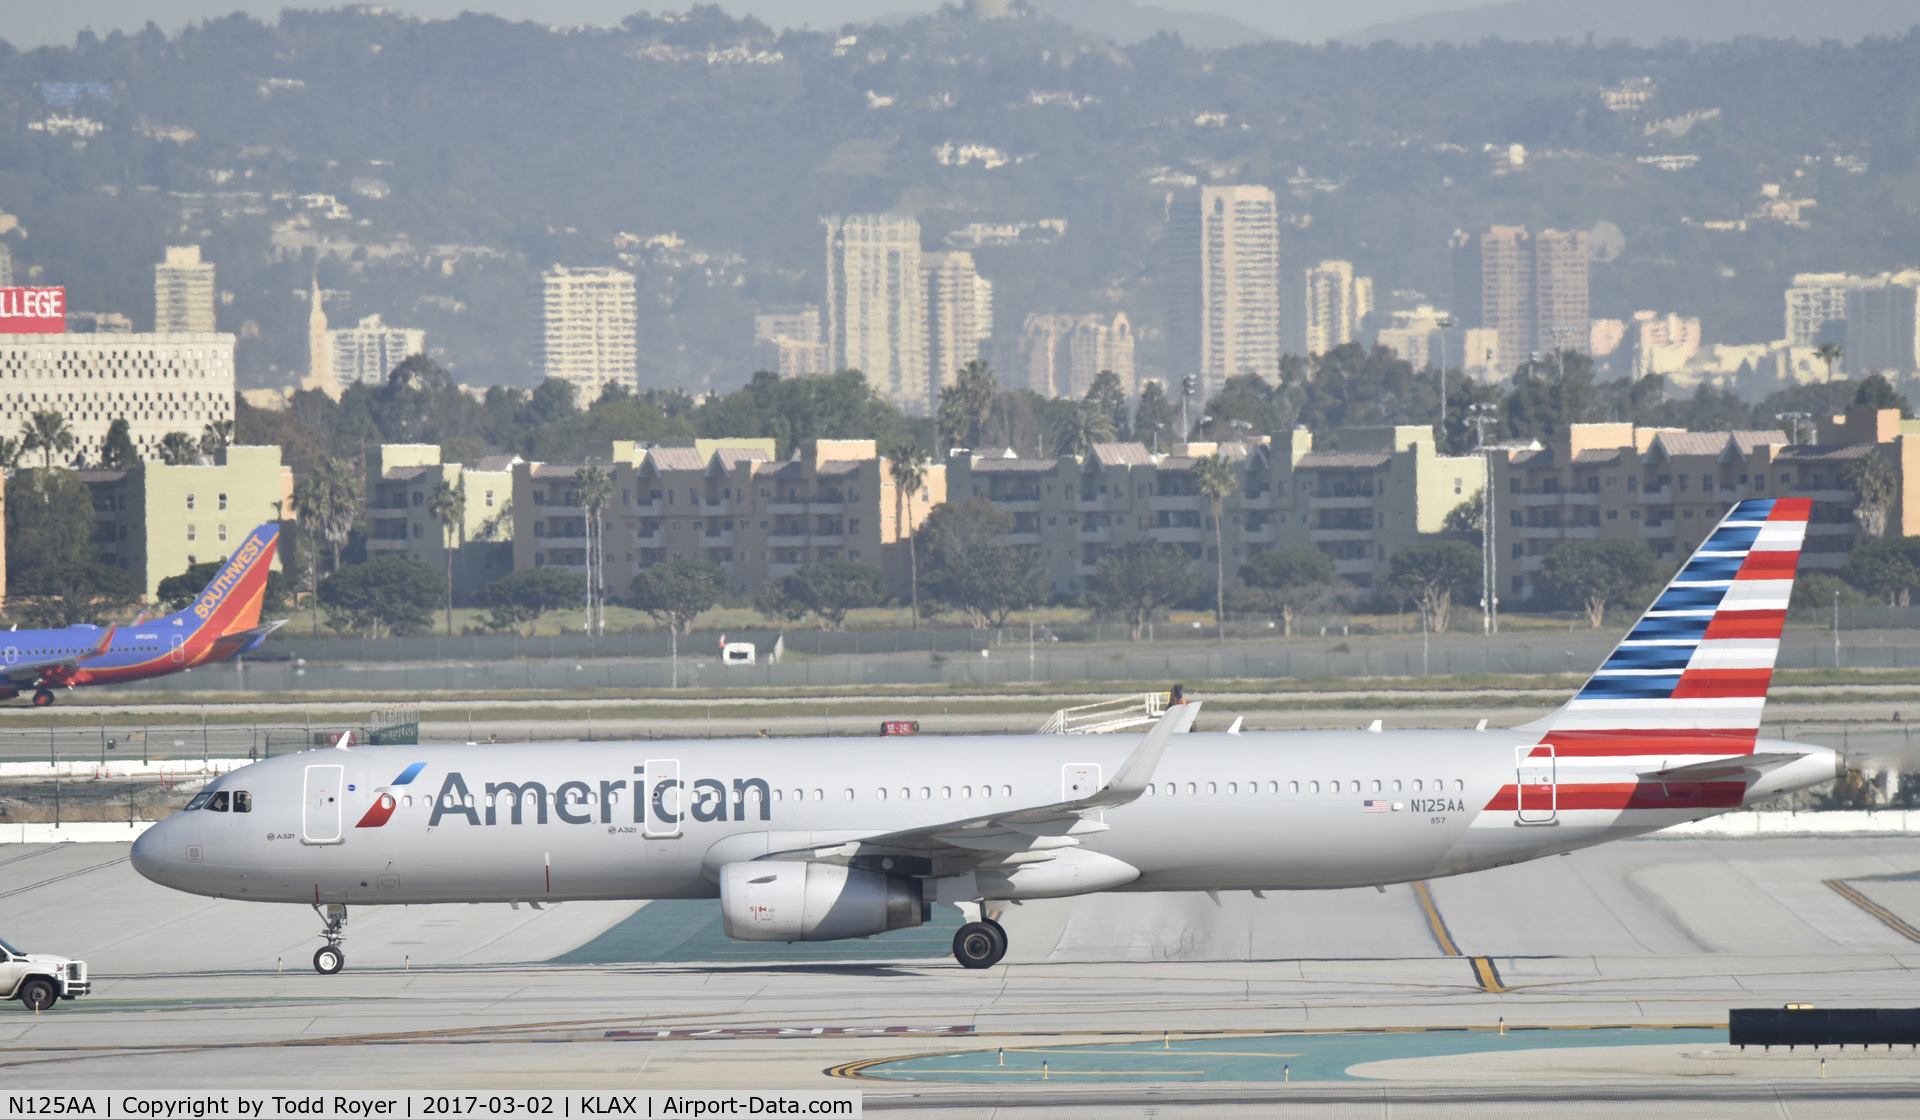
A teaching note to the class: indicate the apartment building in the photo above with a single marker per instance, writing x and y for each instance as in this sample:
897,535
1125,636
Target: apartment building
1360,504
1337,303
728,501
786,341
1060,355
588,334
401,480
366,354
1530,289
1431,339
959,316
1817,307
1883,323
156,520
877,305
1225,267
159,383
183,292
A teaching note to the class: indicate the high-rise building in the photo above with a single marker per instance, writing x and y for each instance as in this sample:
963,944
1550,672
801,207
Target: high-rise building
589,338
786,341
1883,323
1493,288
1663,344
367,353
959,316
877,305
1560,291
6,266
1816,302
1337,302
1060,355
158,383
1225,263
183,292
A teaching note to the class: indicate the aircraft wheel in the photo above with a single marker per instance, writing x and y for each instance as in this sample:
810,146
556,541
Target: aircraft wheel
38,994
980,944
42,698
329,960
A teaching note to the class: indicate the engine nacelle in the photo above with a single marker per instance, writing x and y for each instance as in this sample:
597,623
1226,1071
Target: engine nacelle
788,900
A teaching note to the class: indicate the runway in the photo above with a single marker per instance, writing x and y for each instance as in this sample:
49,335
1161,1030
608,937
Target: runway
1649,934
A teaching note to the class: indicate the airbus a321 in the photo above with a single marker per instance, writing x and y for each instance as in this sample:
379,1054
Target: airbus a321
816,840
221,622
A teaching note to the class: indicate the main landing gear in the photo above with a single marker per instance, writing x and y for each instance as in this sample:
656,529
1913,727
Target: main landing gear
980,944
330,958
43,698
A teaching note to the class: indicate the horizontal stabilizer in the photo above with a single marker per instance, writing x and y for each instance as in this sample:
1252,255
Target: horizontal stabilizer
1718,768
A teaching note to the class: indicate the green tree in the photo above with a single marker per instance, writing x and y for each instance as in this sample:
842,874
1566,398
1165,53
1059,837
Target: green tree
831,588
965,405
176,592
1215,477
118,451
10,453
1156,421
1876,485
1285,581
1589,574
1888,569
521,597
794,410
391,593
907,467
59,595
783,599
1465,519
178,449
1109,398
327,502
677,591
1830,353
1139,578
47,432
49,521
593,491
972,570
1079,426
447,504
1877,392
216,437
1429,573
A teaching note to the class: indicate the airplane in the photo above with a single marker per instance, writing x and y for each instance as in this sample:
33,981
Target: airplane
221,622
816,840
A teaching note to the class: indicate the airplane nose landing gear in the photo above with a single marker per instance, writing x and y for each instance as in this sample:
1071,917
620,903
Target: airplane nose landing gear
980,944
330,958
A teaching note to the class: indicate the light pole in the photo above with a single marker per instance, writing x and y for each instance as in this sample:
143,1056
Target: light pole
1188,383
1446,324
1480,414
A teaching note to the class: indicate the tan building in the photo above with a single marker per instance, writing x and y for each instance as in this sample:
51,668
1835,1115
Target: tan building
1493,289
1817,307
877,305
156,520
786,341
1418,336
589,338
1883,323
959,316
367,353
1560,291
1337,303
1225,285
1060,355
159,382
401,479
726,501
183,293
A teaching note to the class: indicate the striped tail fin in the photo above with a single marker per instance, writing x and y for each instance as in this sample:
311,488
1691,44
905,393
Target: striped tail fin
1692,674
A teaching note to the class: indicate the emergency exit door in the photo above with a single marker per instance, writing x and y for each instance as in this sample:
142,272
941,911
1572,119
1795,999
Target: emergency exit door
320,822
1535,779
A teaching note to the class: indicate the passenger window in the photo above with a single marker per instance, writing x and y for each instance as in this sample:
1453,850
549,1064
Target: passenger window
1274,787
219,802
881,793
1417,785
1233,787
1376,785
966,791
1333,787
1459,785
821,794
1313,787
779,795
1293,787
1149,790
1438,785
1212,788
926,794
406,801
1192,788
1396,785
1006,791
242,801
946,791
849,795
986,791
1172,789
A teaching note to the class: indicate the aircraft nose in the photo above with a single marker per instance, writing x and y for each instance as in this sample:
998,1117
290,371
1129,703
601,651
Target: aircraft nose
147,857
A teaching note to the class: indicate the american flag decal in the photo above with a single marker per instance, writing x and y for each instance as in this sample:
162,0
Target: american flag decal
1374,806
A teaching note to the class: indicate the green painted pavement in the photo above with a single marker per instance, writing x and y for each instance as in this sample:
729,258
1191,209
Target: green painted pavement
1297,1057
680,930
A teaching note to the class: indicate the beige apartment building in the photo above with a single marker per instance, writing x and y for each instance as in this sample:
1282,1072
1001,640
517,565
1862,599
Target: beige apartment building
159,382
156,520
588,338
786,341
959,317
401,479
365,354
727,501
877,305
183,292
1225,285
1337,302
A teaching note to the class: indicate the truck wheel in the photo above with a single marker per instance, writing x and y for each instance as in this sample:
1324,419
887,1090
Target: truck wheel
38,994
329,960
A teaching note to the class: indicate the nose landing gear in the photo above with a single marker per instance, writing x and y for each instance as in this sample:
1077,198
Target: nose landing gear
330,958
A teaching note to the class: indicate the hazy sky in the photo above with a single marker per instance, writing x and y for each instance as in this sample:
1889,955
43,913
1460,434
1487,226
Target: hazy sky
38,24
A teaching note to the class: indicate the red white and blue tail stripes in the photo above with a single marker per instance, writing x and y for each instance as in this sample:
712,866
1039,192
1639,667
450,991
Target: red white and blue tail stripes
1691,676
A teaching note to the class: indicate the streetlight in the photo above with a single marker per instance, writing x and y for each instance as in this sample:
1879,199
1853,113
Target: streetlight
1480,414
1188,384
1446,324
1793,418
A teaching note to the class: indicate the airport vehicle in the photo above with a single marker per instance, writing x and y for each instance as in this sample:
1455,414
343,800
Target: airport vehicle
805,840
39,980
221,622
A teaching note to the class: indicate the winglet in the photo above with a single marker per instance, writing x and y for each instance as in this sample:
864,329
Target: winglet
105,643
1131,781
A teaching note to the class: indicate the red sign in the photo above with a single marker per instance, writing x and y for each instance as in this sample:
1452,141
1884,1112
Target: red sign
33,310
900,727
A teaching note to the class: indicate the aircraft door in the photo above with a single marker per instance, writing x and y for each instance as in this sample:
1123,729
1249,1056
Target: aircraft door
179,648
320,822
1535,777
1079,780
666,799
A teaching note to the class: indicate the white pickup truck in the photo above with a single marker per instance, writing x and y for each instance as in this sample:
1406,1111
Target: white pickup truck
38,980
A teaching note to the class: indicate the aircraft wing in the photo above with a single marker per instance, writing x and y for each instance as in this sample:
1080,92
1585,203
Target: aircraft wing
1029,829
26,674
1719,768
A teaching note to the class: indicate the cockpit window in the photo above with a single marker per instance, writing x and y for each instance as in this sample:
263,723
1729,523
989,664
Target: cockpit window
218,804
199,799
242,801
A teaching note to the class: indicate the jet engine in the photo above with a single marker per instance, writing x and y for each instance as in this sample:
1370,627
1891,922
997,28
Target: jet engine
788,900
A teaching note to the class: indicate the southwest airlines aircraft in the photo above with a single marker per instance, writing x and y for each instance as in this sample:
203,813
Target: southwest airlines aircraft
835,838
222,621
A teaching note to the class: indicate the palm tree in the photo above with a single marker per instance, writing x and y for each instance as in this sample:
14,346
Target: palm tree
593,489
1830,353
1216,478
908,466
216,437
327,502
177,449
447,504
10,452
46,431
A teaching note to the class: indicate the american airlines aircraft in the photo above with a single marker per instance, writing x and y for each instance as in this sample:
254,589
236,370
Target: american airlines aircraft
816,840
